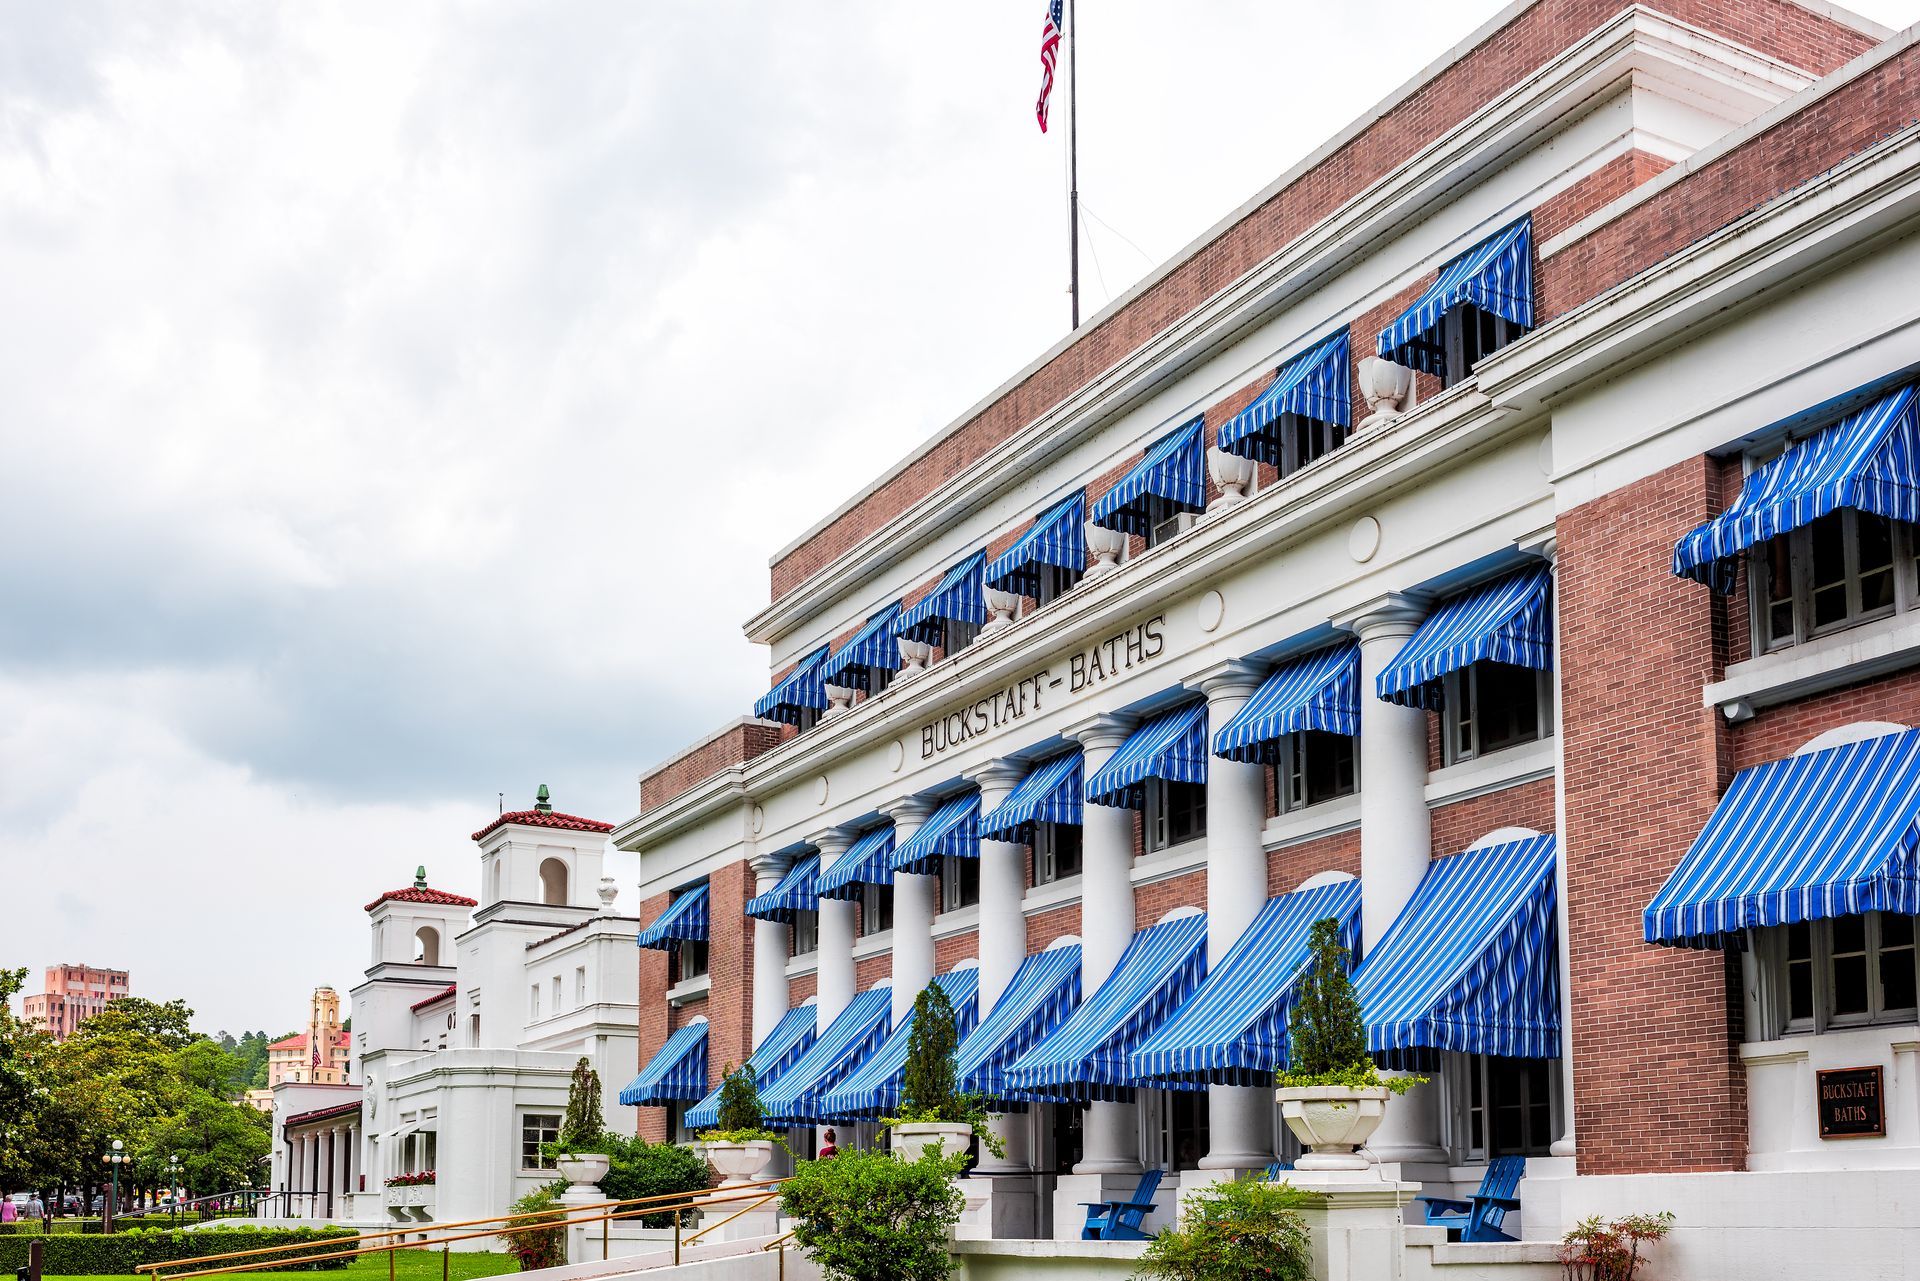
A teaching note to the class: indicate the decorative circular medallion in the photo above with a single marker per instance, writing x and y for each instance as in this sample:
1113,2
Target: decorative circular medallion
1213,608
759,820
1364,539
896,755
820,790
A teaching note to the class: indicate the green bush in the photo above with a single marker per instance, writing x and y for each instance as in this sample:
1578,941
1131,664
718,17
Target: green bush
64,1227
867,1216
1244,1228
637,1168
119,1254
739,1110
1326,1041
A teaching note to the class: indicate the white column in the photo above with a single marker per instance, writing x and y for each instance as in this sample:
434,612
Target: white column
913,906
769,951
834,989
1003,938
354,1169
1112,1135
1240,1118
1396,834
1549,547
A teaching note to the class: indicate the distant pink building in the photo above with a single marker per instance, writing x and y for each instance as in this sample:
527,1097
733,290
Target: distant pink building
75,993
317,1056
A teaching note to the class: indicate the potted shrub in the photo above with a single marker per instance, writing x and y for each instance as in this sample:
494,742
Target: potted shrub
934,1115
580,1151
1331,1095
739,1148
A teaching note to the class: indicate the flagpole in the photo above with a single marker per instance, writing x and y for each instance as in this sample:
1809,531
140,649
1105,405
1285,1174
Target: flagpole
1073,169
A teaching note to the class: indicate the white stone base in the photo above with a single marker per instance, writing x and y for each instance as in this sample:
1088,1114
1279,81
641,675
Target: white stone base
1005,1208
1070,1216
1357,1234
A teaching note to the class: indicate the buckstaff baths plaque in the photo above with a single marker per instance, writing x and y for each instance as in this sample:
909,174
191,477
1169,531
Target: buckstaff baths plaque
1852,1103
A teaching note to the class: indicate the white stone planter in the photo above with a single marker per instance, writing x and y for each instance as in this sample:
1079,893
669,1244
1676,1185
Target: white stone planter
738,1162
1331,1121
1001,607
1233,474
912,1138
583,1169
1107,546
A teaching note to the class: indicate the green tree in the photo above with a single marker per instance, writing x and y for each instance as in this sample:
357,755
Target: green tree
739,1108
867,1216
220,1145
24,1087
1326,1034
927,1083
584,1122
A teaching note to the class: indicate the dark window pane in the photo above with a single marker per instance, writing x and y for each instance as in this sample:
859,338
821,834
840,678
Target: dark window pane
1829,569
1875,550
1778,573
1186,810
1896,962
1329,765
1849,965
1507,705
1066,849
1800,971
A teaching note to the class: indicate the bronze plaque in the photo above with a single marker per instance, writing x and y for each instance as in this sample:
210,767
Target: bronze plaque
1852,1102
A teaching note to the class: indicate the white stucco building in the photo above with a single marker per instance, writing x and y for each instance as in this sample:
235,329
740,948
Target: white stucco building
466,1030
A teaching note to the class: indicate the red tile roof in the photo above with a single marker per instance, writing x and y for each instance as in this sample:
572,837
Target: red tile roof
436,998
299,1041
324,1114
422,894
548,818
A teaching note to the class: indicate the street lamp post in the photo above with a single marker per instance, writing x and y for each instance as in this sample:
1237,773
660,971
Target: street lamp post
173,1186
114,1160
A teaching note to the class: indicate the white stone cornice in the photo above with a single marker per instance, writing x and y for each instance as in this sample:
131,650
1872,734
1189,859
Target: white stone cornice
1234,678
1637,42
831,842
1392,614
1104,730
1544,543
765,866
997,774
912,810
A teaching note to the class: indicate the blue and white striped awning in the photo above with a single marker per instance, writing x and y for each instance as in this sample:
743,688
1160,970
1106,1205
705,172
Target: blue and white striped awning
1318,691
847,1042
1058,536
1089,1055
1050,793
1036,1000
684,921
1495,275
1470,964
868,861
1233,1030
677,1074
1316,384
961,596
1174,469
1869,460
953,831
874,1089
1509,620
799,689
794,893
1172,745
770,1060
1828,833
873,648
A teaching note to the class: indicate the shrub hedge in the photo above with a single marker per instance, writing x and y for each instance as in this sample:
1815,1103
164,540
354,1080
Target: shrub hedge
119,1254
65,1227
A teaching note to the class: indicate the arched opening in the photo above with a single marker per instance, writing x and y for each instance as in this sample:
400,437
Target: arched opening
497,895
426,946
553,883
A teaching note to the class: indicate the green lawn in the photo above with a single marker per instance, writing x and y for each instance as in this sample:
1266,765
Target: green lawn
408,1265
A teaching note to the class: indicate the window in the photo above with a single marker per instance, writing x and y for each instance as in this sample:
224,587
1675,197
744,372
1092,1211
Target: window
1490,706
805,718
533,1003
1183,1136
878,678
556,994
1507,1108
537,1129
1469,334
580,985
959,883
1166,521
1176,812
876,909
956,634
473,1030
804,937
1852,971
1844,569
1056,852
1304,441
1315,766
1055,581
689,960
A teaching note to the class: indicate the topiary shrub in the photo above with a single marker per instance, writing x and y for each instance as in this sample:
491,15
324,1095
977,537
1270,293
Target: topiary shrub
866,1216
740,1119
1326,1039
583,1128
640,1169
1229,1231
929,1081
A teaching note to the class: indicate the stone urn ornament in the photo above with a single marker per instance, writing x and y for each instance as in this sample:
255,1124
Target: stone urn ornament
1332,1121
909,1139
583,1169
738,1163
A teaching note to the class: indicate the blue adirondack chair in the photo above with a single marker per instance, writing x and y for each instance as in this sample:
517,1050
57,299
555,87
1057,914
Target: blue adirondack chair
1275,1170
1120,1220
1479,1219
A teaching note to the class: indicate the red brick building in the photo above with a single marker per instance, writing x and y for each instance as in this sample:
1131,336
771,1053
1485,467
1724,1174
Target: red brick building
1525,478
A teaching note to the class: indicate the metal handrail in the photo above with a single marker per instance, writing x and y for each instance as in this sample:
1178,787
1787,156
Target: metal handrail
558,1219
745,1209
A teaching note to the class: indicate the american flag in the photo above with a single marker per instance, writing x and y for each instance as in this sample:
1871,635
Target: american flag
1049,55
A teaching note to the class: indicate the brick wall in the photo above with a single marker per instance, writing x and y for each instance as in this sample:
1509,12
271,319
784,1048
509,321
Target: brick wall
1658,1083
1291,864
869,970
730,968
1775,732
1505,58
1461,823
735,746
1154,900
654,1014
949,951
1046,928
801,988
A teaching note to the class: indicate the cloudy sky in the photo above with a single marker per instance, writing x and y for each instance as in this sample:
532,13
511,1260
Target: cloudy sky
399,403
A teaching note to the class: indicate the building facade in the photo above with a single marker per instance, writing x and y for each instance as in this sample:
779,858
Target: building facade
465,1033
318,1056
1496,536
73,994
